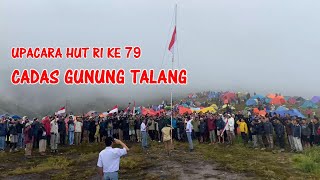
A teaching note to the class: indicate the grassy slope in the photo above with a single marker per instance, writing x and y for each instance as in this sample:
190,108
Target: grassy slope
79,162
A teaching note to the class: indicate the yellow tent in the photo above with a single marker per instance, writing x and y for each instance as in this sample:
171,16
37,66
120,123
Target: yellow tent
214,106
207,109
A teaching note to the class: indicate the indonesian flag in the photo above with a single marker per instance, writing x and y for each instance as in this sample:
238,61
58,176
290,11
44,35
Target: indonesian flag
224,129
127,109
61,111
173,40
114,110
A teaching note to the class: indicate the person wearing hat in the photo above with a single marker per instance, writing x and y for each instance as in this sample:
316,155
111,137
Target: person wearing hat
54,130
109,159
28,139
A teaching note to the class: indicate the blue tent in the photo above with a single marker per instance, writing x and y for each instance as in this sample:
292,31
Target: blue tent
282,108
295,112
16,117
309,104
251,102
257,96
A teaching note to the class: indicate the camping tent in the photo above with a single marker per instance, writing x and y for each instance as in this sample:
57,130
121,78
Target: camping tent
292,100
309,104
207,109
315,99
282,108
257,96
252,102
183,110
279,100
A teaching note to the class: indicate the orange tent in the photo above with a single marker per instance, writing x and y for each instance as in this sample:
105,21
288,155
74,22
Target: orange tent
271,96
183,110
279,100
259,112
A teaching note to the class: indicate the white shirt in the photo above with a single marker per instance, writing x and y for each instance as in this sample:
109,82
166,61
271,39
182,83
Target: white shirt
225,122
54,127
189,127
231,124
78,126
109,159
143,127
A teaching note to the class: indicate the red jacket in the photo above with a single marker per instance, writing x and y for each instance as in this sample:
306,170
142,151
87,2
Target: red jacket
46,124
211,124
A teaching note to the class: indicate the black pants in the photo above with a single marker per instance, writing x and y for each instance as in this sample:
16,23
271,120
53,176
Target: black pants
48,140
35,142
151,134
280,140
91,137
244,138
62,138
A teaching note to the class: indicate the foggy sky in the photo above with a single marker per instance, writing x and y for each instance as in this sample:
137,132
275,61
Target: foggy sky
256,46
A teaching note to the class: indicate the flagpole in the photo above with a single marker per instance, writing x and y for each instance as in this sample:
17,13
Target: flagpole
175,22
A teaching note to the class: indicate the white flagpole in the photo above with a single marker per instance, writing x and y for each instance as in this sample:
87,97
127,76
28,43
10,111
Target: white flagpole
172,69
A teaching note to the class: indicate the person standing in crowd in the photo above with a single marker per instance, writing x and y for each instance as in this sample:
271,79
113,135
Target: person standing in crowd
77,131
13,135
220,126
20,127
62,130
167,136
268,131
280,133
212,128
35,132
71,129
42,140
46,123
28,139
203,129
243,127
132,129
314,125
92,130
305,134
189,129
137,128
86,125
230,129
289,130
296,132
3,133
109,159
97,133
196,130
110,129
54,135
143,129
151,128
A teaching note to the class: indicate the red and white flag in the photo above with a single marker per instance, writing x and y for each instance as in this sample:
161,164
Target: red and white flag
126,111
173,40
114,110
61,111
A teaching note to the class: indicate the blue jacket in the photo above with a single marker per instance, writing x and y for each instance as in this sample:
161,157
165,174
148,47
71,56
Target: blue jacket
3,129
297,131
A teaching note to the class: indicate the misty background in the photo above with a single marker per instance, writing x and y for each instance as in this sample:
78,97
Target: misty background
253,46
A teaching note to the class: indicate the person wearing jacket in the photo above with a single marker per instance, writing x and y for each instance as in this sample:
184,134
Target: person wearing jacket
297,136
71,130
42,139
305,134
243,127
28,139
19,127
13,135
62,130
46,124
314,125
212,128
230,129
268,132
220,125
203,129
3,133
289,130
280,133
54,135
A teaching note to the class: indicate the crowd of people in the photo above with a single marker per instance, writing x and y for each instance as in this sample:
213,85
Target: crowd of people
261,132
